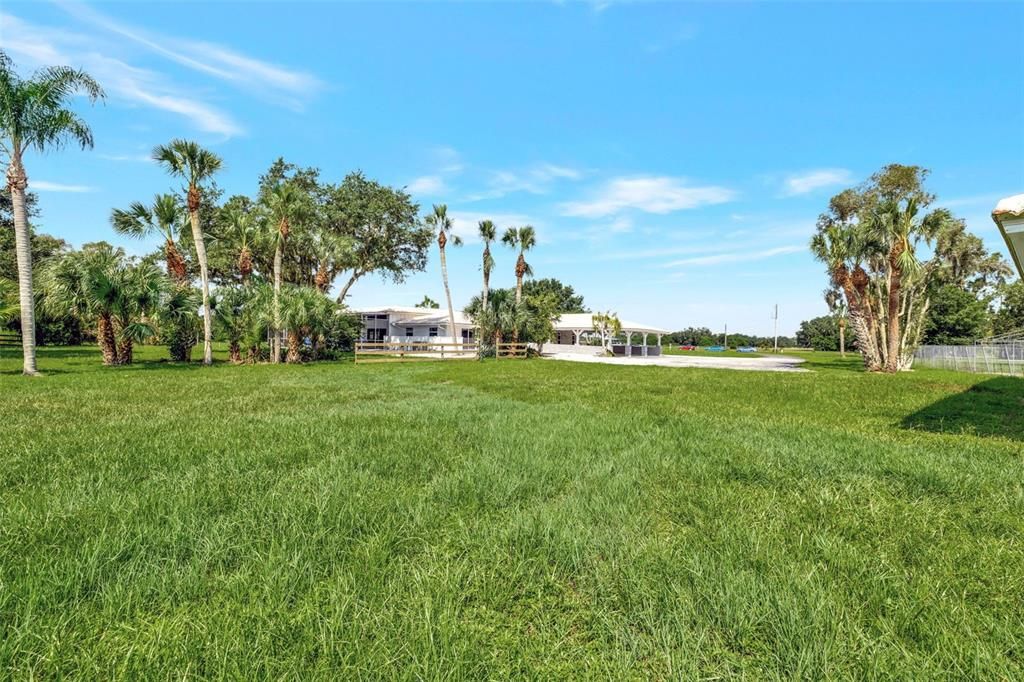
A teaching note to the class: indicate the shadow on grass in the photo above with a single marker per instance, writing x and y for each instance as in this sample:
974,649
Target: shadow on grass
994,407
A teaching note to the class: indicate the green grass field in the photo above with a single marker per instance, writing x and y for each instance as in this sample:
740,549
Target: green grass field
515,518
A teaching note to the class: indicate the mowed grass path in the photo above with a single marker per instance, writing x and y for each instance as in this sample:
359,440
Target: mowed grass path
508,519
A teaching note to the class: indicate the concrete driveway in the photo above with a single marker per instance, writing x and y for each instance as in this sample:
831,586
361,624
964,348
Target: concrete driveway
769,363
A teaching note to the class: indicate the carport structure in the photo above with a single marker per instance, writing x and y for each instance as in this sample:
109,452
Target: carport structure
1009,217
574,328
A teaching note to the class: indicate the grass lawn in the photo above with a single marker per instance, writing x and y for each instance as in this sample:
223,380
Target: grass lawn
514,518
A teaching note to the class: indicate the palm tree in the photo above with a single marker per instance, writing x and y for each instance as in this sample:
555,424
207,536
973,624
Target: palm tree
101,288
488,233
304,313
284,207
164,217
195,165
524,238
440,221
33,115
835,302
240,228
894,225
234,312
8,301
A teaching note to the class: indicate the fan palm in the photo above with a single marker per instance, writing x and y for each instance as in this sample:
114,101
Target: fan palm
239,228
488,233
165,218
101,288
304,312
8,301
284,208
523,238
34,115
236,313
440,221
187,160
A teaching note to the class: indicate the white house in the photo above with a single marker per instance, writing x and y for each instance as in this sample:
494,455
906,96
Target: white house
409,324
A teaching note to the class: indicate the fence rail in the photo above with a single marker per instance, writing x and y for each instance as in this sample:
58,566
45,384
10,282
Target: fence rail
414,351
999,357
511,350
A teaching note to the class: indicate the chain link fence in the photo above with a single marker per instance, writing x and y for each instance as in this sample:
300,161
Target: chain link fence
998,355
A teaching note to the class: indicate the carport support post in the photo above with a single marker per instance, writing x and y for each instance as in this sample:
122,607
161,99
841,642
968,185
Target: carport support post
629,340
645,344
576,336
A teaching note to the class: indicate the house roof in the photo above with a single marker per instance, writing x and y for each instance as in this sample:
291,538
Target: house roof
411,315
1009,216
585,321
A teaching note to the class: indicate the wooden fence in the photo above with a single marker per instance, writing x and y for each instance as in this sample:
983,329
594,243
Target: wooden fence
511,350
402,351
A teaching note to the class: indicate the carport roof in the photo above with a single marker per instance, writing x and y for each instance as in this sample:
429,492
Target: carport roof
1009,216
585,321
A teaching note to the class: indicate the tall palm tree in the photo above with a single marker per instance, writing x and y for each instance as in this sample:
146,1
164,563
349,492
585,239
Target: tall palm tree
187,160
34,115
164,218
284,207
894,226
524,238
440,221
488,233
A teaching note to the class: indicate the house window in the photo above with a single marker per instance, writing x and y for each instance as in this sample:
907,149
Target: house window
467,334
408,331
433,331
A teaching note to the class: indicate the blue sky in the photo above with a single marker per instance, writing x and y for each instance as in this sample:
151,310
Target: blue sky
673,157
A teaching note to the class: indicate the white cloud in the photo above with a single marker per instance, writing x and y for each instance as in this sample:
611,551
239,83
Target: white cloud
45,186
537,179
651,194
214,60
40,46
736,256
430,185
804,183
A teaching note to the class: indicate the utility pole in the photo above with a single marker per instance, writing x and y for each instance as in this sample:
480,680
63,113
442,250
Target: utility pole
775,317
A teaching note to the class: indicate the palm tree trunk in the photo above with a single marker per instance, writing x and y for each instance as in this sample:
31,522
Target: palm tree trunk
275,343
487,277
842,337
892,360
447,294
18,182
234,352
294,346
204,277
105,337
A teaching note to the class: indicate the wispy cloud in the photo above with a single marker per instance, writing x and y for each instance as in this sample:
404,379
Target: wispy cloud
683,34
430,185
37,46
650,194
211,59
536,179
804,183
736,256
46,186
